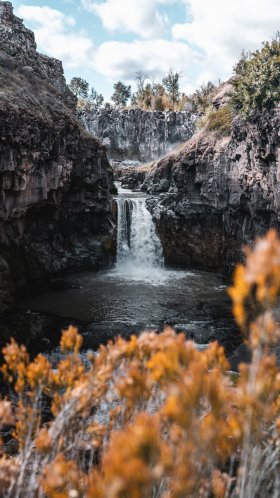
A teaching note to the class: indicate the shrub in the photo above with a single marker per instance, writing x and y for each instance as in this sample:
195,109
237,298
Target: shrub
159,104
217,120
220,120
202,122
202,98
257,77
153,417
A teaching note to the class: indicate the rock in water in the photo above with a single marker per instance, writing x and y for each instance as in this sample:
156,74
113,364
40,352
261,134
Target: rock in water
55,179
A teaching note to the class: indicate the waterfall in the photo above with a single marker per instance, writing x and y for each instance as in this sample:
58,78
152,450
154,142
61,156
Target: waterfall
138,246
123,235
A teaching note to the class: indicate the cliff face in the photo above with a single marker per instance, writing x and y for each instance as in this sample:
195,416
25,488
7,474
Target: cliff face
19,43
218,194
55,179
139,135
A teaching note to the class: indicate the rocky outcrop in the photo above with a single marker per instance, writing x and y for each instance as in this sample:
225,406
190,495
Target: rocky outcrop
217,194
18,43
134,180
55,179
139,135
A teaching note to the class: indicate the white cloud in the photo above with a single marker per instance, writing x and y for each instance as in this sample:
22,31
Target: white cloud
120,60
222,29
54,34
131,16
205,45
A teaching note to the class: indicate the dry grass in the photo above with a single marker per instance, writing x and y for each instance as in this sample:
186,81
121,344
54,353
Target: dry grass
22,91
145,168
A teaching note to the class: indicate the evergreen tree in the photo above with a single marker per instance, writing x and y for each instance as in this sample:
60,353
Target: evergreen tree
148,96
172,85
158,90
257,78
140,83
202,98
121,94
79,87
96,99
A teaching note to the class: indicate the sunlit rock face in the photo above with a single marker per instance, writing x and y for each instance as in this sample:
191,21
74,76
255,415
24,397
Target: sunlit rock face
55,179
139,135
218,194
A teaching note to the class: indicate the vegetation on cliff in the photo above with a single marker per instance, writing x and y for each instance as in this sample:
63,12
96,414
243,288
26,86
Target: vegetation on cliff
152,417
255,86
216,120
220,120
87,99
257,78
149,95
121,95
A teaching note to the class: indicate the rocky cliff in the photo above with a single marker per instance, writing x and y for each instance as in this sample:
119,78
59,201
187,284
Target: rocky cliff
217,194
55,179
139,135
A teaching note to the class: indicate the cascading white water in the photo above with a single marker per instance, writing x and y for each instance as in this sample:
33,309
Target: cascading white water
145,245
123,235
138,246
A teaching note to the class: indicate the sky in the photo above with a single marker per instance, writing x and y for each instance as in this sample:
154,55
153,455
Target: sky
105,41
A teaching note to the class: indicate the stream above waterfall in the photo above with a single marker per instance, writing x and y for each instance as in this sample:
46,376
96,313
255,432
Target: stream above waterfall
139,293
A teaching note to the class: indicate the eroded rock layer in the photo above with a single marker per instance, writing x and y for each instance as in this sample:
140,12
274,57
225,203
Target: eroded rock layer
55,179
218,194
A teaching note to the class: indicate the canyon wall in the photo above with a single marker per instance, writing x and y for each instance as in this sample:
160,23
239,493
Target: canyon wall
217,193
138,135
55,179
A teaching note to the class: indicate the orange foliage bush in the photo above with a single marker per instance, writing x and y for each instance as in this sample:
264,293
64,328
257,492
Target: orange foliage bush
153,417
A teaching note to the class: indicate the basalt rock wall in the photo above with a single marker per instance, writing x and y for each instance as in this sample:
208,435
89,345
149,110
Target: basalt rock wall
55,179
139,135
217,194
